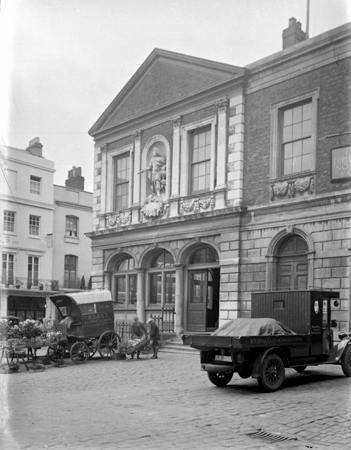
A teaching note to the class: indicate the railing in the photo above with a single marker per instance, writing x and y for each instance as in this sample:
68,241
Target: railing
123,329
165,320
40,284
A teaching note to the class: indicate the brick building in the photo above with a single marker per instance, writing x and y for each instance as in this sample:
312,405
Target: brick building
213,181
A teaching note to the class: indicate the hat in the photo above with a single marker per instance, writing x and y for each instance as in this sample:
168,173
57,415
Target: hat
150,320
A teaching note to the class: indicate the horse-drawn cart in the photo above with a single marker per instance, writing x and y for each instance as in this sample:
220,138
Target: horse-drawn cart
86,326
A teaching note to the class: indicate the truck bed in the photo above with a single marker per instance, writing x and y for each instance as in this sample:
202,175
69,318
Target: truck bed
208,342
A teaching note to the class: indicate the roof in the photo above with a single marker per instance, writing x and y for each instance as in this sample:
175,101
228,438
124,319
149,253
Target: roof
82,298
164,78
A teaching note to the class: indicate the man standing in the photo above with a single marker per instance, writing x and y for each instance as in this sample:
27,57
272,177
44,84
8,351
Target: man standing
138,332
154,335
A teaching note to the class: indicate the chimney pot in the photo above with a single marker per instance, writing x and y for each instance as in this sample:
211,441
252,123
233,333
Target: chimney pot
35,147
293,34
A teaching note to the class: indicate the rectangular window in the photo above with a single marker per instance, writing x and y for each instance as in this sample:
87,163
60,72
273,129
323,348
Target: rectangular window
296,138
70,272
9,221
7,268
35,183
121,291
71,226
34,225
132,297
170,287
33,271
121,178
155,288
200,159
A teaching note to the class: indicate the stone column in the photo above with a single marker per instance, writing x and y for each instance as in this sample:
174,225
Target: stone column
105,197
179,298
176,157
221,143
131,179
184,164
140,294
137,155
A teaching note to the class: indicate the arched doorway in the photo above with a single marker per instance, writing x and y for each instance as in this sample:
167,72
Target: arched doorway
292,263
203,289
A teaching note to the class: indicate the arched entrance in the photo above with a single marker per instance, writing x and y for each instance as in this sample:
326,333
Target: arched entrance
203,289
292,263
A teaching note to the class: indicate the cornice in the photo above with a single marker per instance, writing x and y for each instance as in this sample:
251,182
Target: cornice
28,163
21,201
64,204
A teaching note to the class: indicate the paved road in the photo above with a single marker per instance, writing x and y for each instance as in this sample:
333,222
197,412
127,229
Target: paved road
169,404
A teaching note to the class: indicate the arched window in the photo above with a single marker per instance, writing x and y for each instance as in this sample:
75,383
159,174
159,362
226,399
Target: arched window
124,282
161,278
203,255
70,272
292,264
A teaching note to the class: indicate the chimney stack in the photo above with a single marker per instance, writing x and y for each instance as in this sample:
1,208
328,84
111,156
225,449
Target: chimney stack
35,147
75,179
293,34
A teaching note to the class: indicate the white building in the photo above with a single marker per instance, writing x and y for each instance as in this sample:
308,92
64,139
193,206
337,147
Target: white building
32,211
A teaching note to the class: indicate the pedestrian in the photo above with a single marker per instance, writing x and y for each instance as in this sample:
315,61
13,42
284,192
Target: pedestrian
138,332
154,336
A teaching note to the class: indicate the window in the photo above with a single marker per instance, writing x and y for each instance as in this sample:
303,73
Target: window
35,185
70,272
33,271
125,285
7,268
71,226
161,279
293,139
296,138
121,191
34,225
200,159
9,221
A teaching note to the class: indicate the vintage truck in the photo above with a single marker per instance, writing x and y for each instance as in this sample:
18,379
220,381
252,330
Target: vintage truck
286,329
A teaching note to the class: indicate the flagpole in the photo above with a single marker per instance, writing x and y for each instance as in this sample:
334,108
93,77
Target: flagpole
308,19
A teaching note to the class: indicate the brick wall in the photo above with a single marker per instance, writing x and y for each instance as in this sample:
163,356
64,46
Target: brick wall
333,117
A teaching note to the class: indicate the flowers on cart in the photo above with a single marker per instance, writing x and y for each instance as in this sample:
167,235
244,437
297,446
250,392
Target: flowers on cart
31,328
54,337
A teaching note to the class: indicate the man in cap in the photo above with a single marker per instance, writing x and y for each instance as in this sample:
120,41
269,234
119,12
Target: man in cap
154,335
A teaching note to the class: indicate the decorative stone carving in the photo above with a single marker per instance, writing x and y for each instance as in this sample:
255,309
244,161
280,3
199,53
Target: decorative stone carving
177,121
290,188
196,205
222,104
119,219
154,207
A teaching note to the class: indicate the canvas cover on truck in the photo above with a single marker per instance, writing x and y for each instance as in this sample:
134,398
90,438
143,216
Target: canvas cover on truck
252,327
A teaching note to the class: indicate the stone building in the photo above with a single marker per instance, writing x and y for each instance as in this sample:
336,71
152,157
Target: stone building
194,204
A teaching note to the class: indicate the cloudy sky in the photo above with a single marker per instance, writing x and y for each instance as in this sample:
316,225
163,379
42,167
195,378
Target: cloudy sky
63,61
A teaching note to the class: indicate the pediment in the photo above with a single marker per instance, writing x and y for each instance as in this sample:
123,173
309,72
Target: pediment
163,79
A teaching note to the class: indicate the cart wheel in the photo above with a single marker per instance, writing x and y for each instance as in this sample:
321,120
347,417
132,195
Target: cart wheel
272,373
346,361
56,352
108,344
300,369
79,352
220,379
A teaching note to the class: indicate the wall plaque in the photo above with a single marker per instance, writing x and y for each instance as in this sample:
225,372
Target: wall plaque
341,163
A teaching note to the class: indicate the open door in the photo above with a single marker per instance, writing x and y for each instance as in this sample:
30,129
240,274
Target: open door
203,304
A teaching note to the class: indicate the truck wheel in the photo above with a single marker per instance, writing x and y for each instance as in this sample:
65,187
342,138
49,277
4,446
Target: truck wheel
346,361
272,373
300,369
220,379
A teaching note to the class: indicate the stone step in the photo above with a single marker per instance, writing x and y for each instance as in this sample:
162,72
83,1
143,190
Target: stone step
177,346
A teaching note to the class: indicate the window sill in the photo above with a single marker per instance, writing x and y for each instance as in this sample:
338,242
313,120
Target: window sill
292,176
71,240
32,236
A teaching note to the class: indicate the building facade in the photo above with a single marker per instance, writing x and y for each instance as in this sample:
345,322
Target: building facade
214,181
31,210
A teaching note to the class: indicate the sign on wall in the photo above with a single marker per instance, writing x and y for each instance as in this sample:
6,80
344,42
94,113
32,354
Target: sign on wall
341,163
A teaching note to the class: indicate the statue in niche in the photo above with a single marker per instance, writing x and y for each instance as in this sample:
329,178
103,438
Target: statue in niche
157,172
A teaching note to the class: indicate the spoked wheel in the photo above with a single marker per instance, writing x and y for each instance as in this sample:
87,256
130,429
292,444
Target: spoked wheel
346,361
272,373
220,379
56,352
79,352
300,369
108,344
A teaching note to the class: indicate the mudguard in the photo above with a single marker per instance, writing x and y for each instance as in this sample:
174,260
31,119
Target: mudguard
340,348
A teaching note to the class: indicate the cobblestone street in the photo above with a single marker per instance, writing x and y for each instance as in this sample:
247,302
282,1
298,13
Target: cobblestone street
169,404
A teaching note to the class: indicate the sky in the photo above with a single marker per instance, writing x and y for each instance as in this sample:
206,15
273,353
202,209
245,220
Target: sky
63,61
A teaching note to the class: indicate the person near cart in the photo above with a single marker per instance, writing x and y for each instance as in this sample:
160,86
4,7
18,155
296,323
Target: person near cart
139,331
154,336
